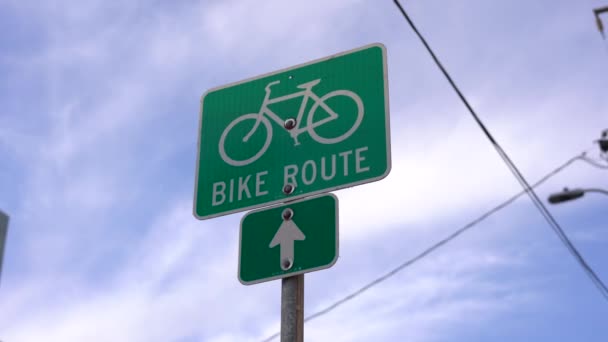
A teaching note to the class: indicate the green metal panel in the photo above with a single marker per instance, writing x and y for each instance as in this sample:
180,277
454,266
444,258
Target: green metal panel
314,247
340,137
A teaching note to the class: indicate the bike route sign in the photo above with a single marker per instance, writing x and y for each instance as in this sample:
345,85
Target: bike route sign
308,129
287,240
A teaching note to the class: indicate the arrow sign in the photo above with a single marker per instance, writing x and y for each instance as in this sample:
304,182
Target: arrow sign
264,229
286,235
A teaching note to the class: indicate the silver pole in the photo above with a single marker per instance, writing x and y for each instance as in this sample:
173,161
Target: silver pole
3,230
292,309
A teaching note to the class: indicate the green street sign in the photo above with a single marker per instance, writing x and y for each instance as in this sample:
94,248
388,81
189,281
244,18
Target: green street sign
290,239
305,130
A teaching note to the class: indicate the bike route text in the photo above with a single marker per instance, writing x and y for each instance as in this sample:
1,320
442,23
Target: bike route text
308,173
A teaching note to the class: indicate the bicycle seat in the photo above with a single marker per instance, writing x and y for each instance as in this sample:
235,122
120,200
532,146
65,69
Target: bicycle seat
310,84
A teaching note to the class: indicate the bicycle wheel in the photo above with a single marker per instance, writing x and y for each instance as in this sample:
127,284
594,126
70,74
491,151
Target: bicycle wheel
311,124
247,161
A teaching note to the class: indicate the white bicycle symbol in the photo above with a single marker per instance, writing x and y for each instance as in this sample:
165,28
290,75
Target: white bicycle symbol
264,113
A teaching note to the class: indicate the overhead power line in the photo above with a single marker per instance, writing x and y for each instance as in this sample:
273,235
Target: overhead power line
512,167
594,163
528,189
431,248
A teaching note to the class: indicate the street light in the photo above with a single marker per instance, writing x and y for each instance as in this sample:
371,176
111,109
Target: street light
598,20
569,195
603,141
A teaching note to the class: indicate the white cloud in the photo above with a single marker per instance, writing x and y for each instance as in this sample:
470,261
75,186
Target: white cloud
175,283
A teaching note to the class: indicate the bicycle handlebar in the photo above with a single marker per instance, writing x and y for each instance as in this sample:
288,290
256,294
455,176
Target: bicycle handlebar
271,84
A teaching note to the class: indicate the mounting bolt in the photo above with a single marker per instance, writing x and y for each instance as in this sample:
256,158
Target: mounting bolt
286,264
287,214
290,124
288,189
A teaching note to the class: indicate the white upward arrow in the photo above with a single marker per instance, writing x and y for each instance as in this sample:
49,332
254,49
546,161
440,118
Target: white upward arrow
286,235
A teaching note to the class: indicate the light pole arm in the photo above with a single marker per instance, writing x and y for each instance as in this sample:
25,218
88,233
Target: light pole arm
600,10
601,191
598,20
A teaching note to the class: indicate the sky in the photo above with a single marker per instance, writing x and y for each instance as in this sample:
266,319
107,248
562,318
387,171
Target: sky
100,106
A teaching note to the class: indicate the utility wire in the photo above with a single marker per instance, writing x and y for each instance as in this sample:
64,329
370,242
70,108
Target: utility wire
433,247
594,163
513,168
527,190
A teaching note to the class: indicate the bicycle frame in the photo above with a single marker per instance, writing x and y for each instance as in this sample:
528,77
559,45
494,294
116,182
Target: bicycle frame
306,93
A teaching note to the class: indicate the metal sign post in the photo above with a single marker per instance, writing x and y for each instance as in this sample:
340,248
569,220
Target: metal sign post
292,309
285,242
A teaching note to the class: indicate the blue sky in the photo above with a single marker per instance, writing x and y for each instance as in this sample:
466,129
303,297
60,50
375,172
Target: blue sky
98,134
